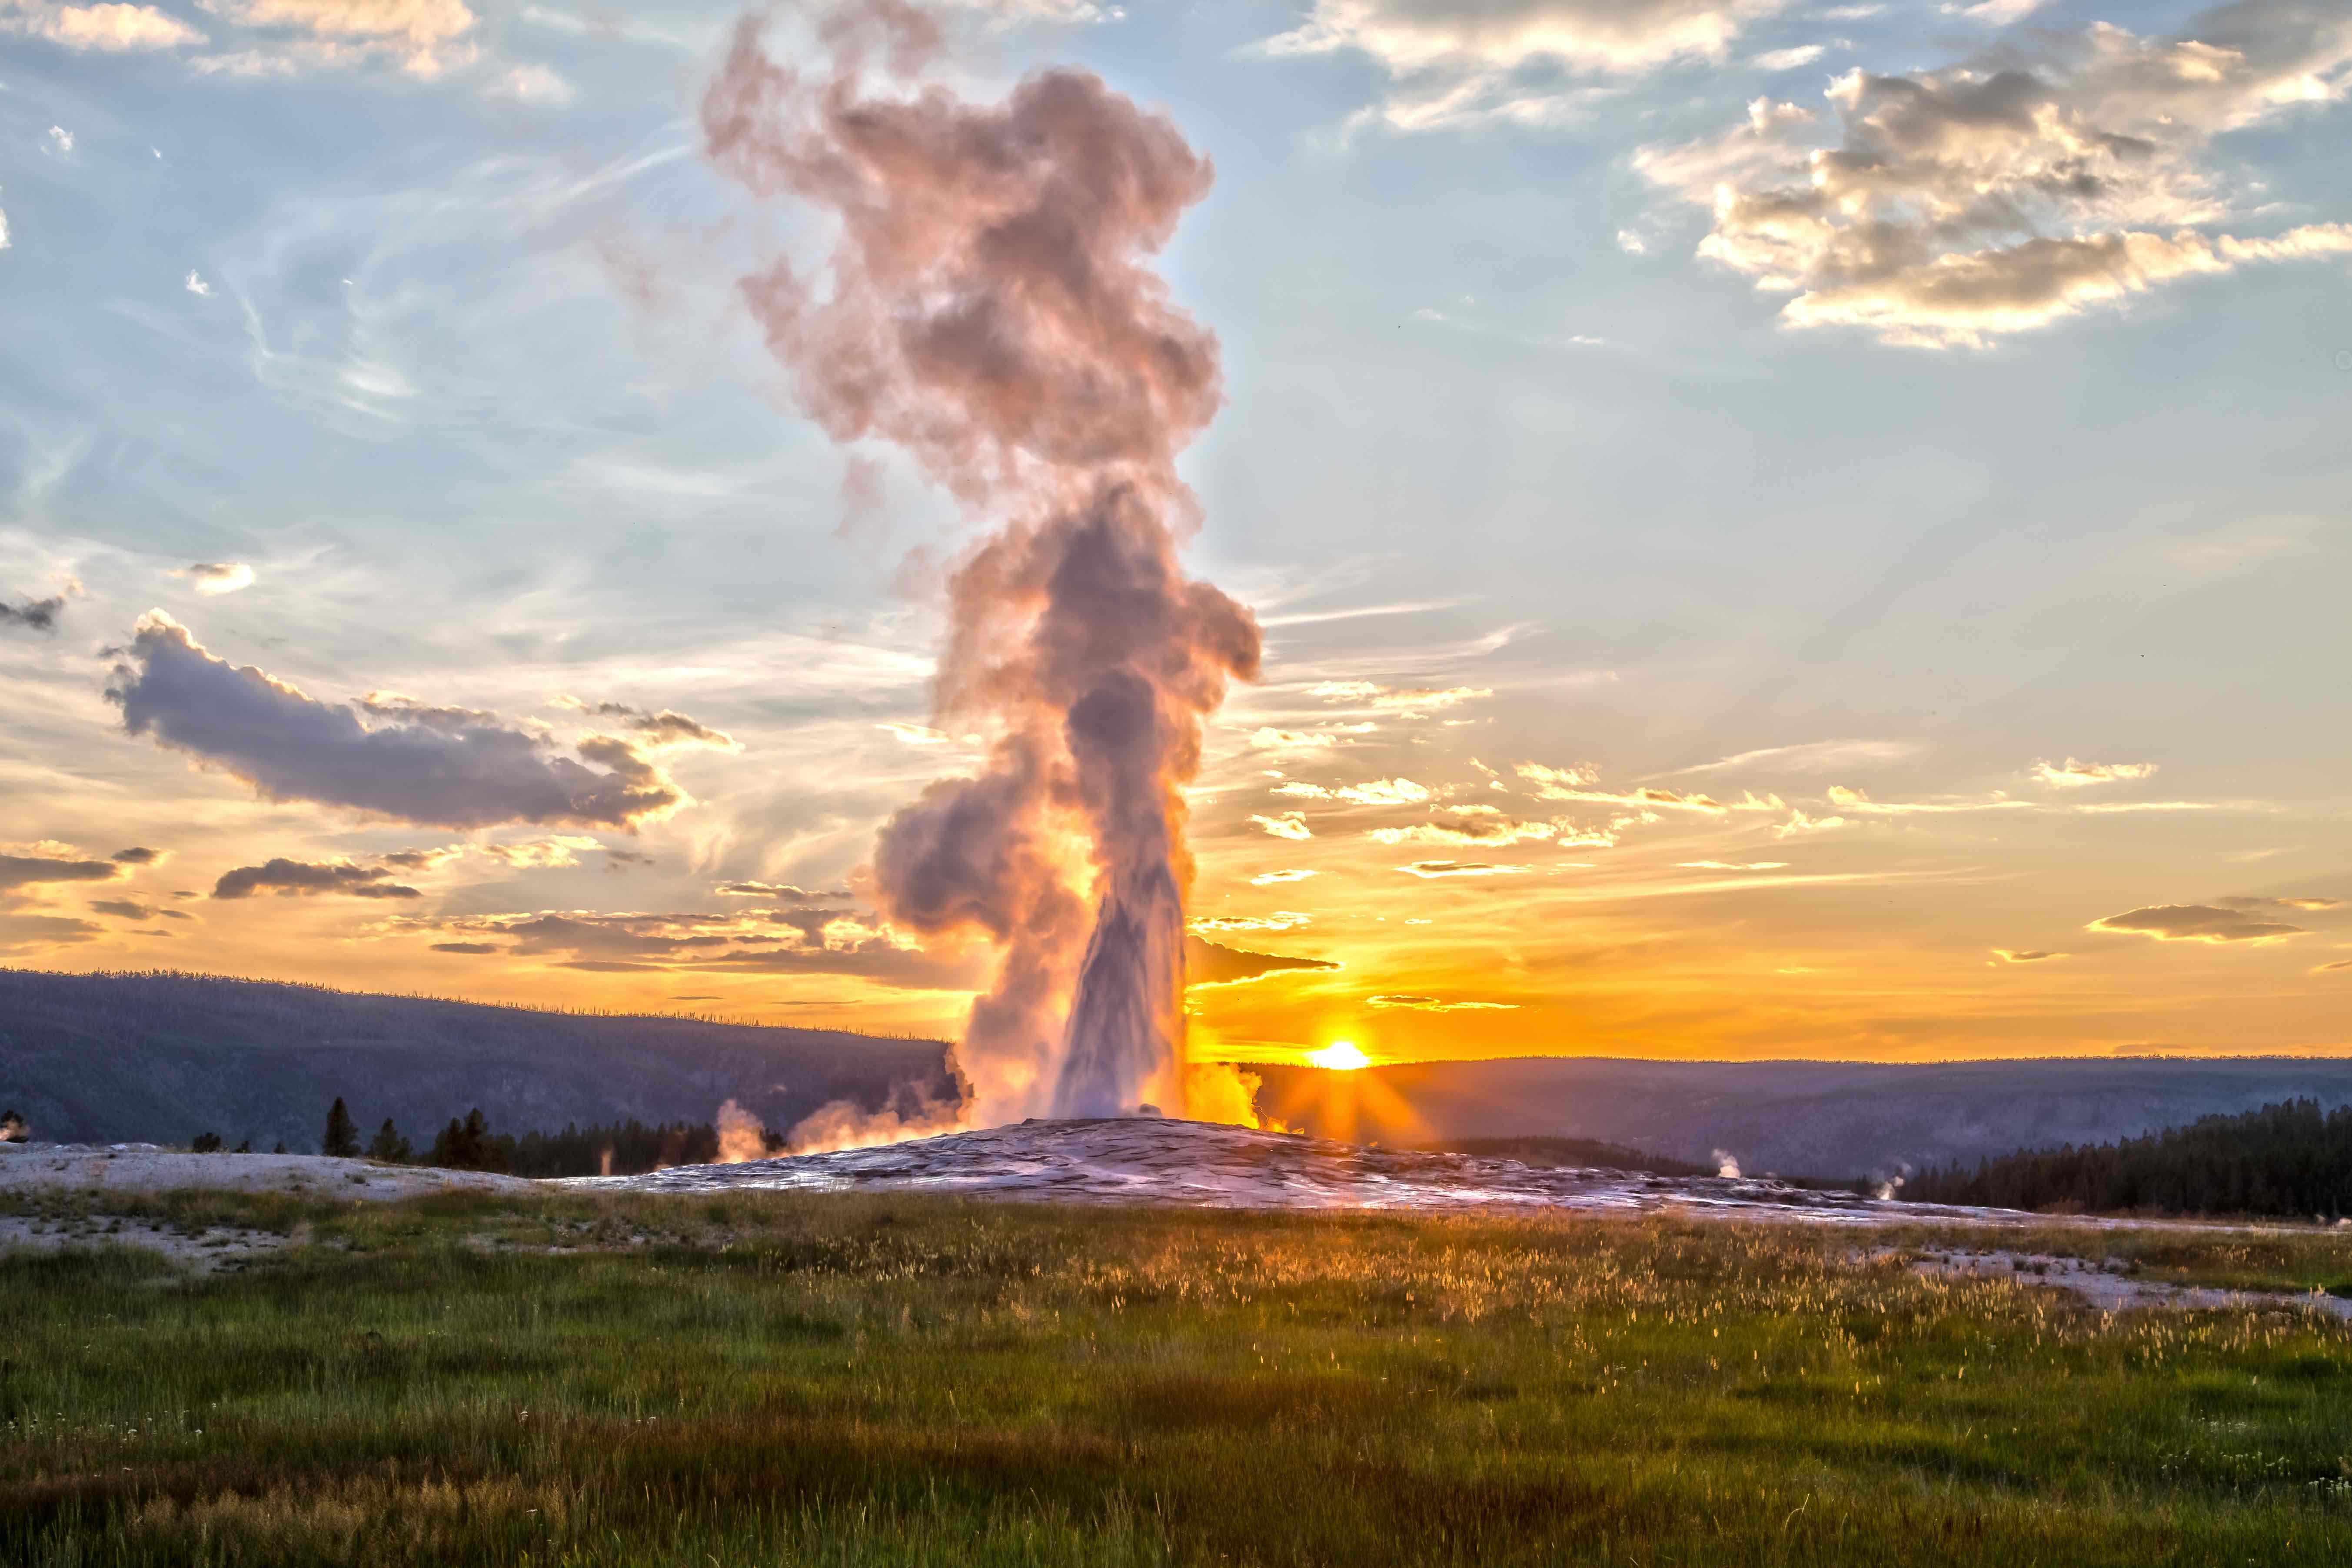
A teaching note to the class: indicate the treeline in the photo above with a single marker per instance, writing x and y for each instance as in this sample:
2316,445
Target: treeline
467,1143
2291,1158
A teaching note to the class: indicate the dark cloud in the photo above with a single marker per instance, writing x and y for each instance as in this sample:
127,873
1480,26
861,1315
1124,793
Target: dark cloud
1415,1002
773,891
2195,922
128,908
467,947
2340,964
437,767
32,615
1458,868
301,879
785,940
1208,964
2025,956
662,726
24,870
140,855
19,933
422,860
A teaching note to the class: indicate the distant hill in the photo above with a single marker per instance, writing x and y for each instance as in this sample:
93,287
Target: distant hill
164,1056
1797,1118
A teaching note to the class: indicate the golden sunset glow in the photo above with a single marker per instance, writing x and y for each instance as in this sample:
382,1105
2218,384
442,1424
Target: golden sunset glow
1340,1056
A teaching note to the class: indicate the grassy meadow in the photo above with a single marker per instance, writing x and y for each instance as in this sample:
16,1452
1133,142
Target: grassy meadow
779,1379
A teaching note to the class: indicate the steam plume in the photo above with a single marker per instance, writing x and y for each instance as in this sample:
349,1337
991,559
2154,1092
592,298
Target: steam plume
988,307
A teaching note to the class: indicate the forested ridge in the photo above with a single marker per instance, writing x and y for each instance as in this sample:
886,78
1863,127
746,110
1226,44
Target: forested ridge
2290,1158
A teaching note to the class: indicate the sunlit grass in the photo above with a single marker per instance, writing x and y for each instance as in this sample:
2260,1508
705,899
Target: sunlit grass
850,1379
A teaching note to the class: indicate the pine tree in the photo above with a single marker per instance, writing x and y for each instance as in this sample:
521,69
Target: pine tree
206,1144
388,1146
342,1139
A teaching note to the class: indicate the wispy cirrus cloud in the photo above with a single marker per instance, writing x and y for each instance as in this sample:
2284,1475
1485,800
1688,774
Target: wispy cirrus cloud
2074,775
2195,922
1949,207
1807,757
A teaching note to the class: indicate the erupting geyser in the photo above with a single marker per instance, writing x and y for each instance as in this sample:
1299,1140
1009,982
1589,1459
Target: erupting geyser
988,306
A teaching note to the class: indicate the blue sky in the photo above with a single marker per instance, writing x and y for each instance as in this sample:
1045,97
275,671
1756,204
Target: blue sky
2016,438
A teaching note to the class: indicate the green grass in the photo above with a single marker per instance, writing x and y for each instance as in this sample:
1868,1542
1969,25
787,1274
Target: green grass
778,1379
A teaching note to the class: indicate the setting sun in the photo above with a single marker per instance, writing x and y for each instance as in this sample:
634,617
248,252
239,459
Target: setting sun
1340,1056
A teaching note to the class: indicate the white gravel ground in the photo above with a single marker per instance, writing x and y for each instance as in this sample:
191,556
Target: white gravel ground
145,1168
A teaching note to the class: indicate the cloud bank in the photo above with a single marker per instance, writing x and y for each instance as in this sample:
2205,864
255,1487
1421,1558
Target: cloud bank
436,767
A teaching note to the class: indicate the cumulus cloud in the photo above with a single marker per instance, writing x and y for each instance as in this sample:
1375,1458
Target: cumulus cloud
194,284
214,577
32,615
1289,825
1458,868
1420,1003
111,29
52,862
2074,775
1464,62
1800,822
423,38
2195,922
436,767
305,878
1949,207
2024,954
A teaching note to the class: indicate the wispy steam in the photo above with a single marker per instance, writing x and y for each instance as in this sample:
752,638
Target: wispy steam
988,306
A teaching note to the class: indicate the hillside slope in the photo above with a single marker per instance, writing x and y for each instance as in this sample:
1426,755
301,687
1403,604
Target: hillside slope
163,1057
1798,1117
